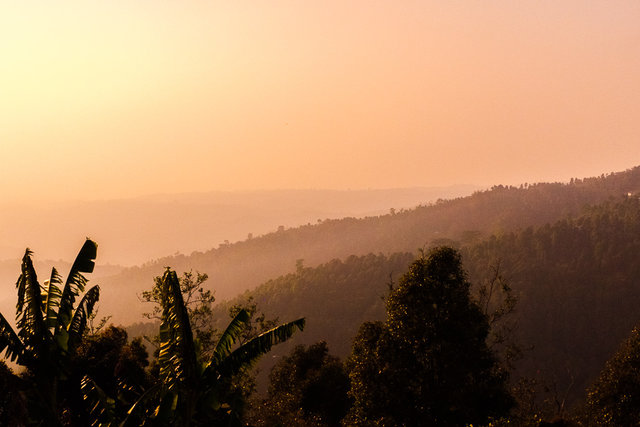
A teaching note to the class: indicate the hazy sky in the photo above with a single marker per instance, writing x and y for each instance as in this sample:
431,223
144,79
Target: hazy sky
102,99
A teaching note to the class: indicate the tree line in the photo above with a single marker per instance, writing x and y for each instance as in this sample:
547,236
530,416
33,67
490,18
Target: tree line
60,385
431,359
468,220
575,281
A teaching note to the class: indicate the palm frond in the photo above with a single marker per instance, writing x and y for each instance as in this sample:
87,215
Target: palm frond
177,357
166,409
20,284
81,315
85,260
101,406
29,318
230,336
10,343
52,298
248,353
139,404
84,263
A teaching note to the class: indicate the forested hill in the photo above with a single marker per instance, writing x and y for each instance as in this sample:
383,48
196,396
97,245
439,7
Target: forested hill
578,283
234,268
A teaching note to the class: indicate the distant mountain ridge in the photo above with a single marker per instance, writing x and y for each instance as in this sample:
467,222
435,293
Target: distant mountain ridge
577,281
136,230
132,231
234,268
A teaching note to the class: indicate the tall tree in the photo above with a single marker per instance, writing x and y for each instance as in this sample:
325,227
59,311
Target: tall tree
428,363
614,399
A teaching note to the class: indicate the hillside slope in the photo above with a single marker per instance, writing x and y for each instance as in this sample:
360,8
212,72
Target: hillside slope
133,231
578,283
237,267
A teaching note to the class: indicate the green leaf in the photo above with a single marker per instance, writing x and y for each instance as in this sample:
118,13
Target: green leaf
229,336
84,263
82,313
248,353
29,318
149,394
102,407
177,357
10,343
53,294
165,410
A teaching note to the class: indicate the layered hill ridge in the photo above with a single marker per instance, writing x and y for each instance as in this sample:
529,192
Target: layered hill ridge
235,268
133,231
577,281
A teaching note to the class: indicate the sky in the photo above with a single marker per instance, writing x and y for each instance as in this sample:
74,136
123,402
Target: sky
116,99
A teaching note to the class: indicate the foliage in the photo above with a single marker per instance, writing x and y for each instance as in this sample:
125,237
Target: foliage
335,297
13,407
242,385
190,386
258,321
614,399
199,304
502,209
49,331
307,387
198,301
576,281
429,361
116,366
497,302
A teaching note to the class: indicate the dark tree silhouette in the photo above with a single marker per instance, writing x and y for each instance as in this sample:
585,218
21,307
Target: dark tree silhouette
49,330
614,399
307,388
429,363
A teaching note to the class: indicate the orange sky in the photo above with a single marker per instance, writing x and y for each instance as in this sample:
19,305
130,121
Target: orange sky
104,99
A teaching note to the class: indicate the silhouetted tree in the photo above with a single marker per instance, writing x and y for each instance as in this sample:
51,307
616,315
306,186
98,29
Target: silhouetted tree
308,387
13,407
614,399
116,365
428,363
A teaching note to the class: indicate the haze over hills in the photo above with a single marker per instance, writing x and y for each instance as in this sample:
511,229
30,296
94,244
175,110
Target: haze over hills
237,267
577,281
136,230
283,148
570,251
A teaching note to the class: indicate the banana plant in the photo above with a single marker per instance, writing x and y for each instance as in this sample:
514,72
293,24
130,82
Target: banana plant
49,327
189,391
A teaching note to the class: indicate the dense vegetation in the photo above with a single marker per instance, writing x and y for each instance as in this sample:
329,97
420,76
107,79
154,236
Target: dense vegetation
412,337
614,398
468,220
578,285
429,361
576,281
309,387
75,377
